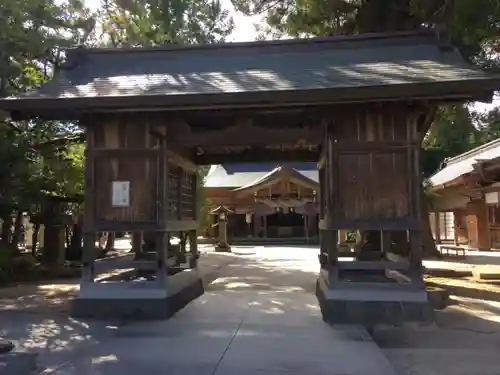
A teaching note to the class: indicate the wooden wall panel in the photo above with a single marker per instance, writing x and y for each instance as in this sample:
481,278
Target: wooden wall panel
372,185
142,174
372,161
121,149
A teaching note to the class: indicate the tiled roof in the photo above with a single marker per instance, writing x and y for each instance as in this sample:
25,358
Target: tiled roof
463,164
218,176
178,74
276,174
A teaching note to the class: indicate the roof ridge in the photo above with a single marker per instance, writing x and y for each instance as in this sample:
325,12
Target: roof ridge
470,153
249,44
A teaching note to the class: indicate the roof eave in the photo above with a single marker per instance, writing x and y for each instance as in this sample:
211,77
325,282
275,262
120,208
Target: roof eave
62,108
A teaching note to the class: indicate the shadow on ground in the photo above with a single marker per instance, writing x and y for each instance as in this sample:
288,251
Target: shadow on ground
464,339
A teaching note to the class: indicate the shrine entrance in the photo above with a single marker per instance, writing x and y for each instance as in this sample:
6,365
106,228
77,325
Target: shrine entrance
360,106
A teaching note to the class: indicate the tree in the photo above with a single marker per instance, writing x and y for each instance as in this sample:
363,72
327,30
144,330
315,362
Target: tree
33,156
135,23
474,28
489,125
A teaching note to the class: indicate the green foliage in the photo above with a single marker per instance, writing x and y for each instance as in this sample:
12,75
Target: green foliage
203,203
489,125
473,24
155,22
35,155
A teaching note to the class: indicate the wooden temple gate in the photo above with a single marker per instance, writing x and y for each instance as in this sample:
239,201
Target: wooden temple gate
360,105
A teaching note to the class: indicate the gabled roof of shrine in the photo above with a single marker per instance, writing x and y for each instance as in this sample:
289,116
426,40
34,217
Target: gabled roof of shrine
386,66
236,176
282,171
461,165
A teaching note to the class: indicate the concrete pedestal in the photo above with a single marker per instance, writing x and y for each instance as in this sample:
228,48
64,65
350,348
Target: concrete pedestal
6,346
138,300
371,303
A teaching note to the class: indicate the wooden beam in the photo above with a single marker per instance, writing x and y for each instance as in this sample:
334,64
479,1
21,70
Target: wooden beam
247,134
181,225
258,155
181,161
402,265
395,223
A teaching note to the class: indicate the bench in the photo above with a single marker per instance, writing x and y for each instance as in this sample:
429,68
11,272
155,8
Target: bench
453,250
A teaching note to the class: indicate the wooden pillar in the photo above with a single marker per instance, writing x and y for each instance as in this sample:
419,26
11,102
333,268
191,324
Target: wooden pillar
89,231
437,228
136,242
193,248
265,226
478,226
342,236
162,236
456,227
257,219
385,243
306,227
193,235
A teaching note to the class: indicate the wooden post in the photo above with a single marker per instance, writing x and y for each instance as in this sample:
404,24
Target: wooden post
136,242
478,226
437,227
193,248
332,244
161,240
306,226
342,236
385,243
89,231
265,226
193,234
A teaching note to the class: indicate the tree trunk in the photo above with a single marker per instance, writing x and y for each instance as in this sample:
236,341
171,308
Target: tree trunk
110,242
74,252
67,235
16,236
6,228
53,249
34,238
429,245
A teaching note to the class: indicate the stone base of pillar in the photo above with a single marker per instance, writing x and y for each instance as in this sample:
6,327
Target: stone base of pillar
346,303
222,248
6,346
147,300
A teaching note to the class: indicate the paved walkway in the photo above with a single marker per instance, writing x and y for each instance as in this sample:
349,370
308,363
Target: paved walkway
258,317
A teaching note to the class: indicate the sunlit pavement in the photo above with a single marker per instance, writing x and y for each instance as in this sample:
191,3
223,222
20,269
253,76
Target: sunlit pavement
259,316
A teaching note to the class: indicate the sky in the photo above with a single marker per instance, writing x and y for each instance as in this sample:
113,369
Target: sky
245,31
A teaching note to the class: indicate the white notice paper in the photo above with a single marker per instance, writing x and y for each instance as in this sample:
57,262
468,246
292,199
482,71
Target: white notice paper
120,193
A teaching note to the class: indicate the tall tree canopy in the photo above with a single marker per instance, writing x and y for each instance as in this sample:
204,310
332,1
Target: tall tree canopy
473,24
155,22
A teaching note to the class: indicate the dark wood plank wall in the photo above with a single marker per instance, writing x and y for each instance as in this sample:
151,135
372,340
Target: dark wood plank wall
373,155
128,148
124,151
